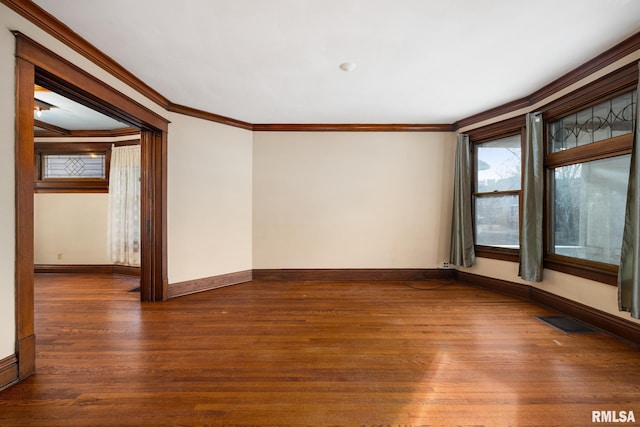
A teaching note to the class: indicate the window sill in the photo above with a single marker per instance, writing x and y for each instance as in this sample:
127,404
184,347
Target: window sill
76,186
598,272
503,254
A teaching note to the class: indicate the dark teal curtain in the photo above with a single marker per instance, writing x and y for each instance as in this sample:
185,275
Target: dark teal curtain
629,272
531,233
462,246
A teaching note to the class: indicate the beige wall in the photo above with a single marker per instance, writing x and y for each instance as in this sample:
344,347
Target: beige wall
7,185
351,199
209,206
74,225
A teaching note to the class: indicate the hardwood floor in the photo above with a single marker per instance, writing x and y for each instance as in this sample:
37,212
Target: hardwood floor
313,354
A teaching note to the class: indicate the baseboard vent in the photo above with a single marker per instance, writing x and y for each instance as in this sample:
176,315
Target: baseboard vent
566,324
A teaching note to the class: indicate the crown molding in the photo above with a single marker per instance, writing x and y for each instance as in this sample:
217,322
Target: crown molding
616,53
337,127
66,35
194,112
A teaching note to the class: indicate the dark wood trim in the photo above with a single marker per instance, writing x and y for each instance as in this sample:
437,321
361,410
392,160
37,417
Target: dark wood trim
153,212
71,185
8,371
193,112
346,127
200,285
493,112
495,252
124,270
497,130
517,290
66,35
26,351
94,186
349,274
57,29
55,73
598,272
49,129
35,63
607,322
54,131
608,57
24,217
618,82
612,147
596,64
73,268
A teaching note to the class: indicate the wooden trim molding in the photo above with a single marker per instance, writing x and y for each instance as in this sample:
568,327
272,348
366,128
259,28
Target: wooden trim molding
366,274
209,283
26,351
493,112
193,112
60,31
337,127
24,173
607,322
124,270
8,371
596,64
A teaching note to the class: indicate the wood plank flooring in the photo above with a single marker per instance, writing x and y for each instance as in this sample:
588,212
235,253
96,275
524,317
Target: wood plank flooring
312,354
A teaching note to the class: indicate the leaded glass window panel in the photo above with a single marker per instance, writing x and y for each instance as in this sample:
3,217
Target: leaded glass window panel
61,166
602,121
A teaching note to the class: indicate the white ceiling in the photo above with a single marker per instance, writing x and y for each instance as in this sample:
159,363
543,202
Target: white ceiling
417,61
70,115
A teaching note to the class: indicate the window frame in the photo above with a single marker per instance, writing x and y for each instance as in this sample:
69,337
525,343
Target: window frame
506,128
619,82
71,185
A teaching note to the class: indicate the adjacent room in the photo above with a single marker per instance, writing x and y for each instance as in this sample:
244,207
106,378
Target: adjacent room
319,213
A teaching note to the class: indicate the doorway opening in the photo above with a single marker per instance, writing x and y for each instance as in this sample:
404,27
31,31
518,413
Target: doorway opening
87,187
37,65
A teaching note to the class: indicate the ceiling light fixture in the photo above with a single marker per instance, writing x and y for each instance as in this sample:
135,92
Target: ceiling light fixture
347,66
39,106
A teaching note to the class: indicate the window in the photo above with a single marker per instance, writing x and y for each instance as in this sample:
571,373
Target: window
497,192
588,160
72,167
497,165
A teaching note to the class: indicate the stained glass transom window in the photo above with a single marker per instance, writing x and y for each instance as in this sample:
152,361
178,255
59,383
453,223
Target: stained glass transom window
602,121
73,166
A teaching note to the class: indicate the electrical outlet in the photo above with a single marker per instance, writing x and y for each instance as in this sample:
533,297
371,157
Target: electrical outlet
59,255
445,264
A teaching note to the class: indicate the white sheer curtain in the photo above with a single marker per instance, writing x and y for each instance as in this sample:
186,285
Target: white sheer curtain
123,235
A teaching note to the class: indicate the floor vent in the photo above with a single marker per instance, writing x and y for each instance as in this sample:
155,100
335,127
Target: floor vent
566,324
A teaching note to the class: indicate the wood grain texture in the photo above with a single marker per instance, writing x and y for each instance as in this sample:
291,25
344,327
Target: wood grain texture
398,353
126,270
8,371
25,172
200,285
352,127
602,320
350,274
66,35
